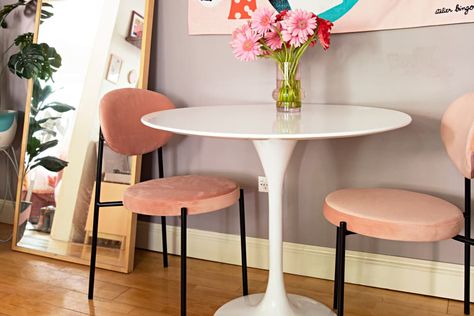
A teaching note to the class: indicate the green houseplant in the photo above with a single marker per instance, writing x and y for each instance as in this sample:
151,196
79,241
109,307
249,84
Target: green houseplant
41,132
36,61
18,62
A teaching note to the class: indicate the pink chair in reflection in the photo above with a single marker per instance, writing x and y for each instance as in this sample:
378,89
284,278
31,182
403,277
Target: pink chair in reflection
409,216
120,114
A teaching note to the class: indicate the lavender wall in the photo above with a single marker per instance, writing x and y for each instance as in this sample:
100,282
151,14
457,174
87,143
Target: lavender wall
418,71
13,89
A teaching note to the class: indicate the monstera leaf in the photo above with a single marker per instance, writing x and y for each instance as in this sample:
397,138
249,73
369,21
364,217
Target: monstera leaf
24,40
30,9
7,9
35,61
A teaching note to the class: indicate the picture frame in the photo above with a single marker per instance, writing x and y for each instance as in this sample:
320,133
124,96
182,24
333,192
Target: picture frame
135,32
113,71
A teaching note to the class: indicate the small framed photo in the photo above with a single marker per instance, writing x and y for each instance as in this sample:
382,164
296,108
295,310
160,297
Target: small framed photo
136,26
115,65
135,34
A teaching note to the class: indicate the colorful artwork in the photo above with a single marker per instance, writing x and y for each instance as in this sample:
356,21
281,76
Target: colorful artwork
222,16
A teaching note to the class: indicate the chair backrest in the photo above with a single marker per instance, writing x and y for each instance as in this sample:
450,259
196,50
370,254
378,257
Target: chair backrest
120,114
457,133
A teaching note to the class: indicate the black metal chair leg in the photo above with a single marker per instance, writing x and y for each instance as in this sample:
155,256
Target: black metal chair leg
95,222
95,227
336,270
467,273
243,244
467,247
184,219
164,241
340,286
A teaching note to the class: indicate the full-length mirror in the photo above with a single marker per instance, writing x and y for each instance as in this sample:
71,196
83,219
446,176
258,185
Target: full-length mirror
95,46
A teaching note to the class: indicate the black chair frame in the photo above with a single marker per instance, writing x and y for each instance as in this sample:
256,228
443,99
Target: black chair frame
342,233
184,215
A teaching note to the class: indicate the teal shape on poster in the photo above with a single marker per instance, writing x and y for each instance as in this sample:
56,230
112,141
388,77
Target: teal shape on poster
280,5
333,14
338,11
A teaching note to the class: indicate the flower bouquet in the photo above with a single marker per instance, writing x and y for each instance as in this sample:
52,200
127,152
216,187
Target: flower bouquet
284,37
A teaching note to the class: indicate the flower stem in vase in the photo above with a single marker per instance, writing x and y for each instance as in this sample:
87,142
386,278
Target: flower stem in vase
288,93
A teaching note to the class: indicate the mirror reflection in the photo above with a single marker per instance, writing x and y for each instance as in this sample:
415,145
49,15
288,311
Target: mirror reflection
95,47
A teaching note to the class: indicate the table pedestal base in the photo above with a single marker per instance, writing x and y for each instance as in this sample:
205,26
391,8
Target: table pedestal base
249,306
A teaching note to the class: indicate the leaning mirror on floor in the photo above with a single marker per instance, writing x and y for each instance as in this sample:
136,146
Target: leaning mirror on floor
94,46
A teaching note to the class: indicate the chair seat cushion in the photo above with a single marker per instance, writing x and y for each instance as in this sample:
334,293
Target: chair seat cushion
166,197
394,214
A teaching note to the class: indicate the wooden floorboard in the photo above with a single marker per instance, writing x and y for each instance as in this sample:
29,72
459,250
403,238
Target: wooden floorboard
32,285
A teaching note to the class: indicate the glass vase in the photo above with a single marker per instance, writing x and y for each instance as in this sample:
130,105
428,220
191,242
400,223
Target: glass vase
288,93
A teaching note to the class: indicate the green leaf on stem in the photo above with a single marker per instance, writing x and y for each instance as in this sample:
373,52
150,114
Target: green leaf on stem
50,163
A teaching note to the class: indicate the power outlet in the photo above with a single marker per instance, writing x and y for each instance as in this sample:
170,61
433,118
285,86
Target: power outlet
262,184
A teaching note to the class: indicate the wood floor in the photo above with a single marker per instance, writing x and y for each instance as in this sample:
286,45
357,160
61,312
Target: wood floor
31,285
113,257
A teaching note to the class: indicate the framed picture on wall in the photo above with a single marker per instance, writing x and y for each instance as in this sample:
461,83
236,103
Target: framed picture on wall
135,32
115,65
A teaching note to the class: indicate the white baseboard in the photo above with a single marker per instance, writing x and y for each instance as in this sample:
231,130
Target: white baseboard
389,272
7,212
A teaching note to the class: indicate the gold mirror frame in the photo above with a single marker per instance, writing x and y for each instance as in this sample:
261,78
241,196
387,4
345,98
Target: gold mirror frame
135,162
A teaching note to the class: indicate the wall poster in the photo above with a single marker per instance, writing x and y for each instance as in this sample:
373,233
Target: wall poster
223,16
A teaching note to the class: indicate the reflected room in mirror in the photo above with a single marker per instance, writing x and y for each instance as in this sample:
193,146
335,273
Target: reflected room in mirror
55,202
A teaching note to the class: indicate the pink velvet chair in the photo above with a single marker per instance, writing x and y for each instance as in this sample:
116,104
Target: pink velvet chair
409,216
120,114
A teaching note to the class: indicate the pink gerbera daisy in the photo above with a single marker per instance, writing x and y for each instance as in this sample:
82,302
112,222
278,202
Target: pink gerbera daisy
298,26
240,30
245,44
263,19
273,39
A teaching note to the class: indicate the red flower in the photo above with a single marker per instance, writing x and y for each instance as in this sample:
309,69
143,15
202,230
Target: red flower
324,32
280,16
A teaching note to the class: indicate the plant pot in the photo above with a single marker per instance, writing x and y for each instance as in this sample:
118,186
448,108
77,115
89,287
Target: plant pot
25,211
8,124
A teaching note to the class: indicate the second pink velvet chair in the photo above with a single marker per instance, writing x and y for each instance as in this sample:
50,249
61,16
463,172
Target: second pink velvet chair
409,216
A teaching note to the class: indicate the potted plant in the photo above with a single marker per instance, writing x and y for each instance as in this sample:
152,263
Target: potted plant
36,61
31,60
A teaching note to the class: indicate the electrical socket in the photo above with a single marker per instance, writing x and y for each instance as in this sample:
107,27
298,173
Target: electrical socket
262,184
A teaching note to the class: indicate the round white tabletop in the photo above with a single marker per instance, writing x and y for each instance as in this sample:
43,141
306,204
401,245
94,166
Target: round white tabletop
275,136
263,122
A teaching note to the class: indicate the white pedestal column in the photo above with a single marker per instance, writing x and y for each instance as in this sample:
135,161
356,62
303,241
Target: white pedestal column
274,156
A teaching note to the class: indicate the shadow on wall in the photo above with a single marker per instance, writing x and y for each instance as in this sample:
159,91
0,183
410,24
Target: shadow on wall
326,77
